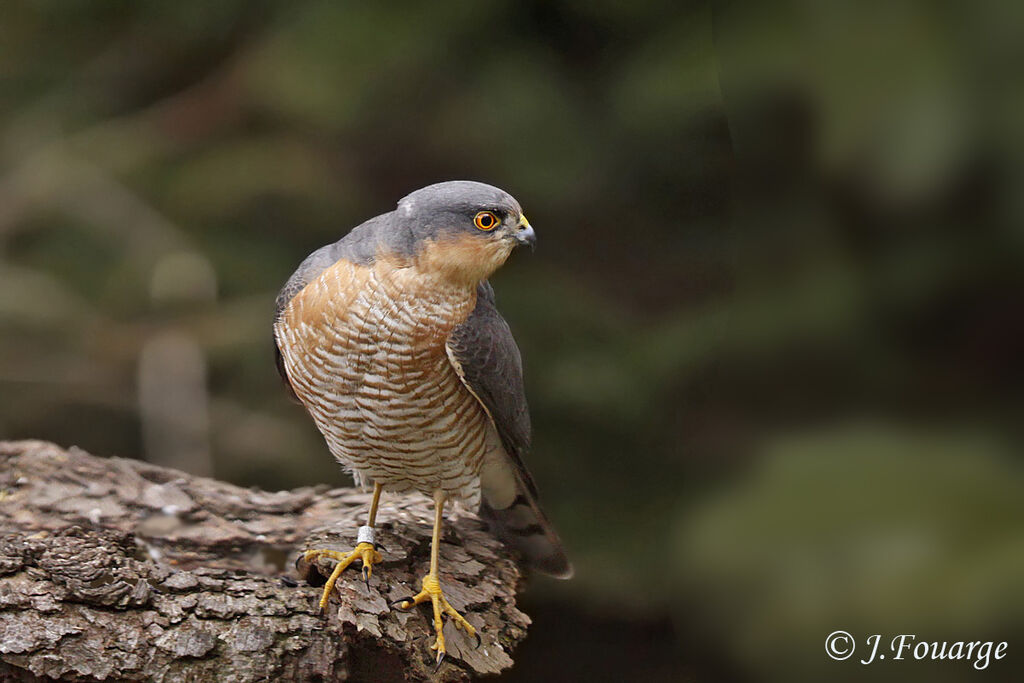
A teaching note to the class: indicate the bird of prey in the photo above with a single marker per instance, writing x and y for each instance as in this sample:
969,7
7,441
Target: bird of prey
391,339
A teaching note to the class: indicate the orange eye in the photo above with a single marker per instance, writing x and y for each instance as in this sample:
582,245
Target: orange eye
486,220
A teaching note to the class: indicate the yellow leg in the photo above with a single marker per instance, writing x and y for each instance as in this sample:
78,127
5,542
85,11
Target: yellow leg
432,589
364,552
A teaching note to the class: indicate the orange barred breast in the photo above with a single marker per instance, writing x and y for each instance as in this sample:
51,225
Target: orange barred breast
364,349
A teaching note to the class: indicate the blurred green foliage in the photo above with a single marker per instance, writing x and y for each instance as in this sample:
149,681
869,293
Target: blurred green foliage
867,529
772,332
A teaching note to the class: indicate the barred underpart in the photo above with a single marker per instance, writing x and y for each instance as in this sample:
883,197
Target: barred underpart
364,350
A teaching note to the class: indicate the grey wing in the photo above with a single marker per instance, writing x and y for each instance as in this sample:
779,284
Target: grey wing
487,359
489,362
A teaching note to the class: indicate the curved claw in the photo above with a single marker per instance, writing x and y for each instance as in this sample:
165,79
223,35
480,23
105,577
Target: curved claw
479,640
398,603
440,661
363,552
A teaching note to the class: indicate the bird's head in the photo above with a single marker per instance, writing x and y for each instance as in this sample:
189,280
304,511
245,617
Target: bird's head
463,230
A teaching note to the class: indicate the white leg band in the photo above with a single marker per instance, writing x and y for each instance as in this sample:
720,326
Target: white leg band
366,535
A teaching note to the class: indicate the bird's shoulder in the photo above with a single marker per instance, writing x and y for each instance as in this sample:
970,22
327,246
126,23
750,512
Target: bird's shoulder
362,246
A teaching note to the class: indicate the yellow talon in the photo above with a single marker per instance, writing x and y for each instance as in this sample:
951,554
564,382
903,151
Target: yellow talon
432,592
365,552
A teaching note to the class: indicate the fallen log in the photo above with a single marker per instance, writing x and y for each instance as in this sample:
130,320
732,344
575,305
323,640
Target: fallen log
114,569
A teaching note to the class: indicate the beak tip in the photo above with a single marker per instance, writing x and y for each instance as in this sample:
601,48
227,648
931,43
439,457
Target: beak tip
527,236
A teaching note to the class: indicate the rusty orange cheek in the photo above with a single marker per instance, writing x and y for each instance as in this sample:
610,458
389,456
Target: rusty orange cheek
468,258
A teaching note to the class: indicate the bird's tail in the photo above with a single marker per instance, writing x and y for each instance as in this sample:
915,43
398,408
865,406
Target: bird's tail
523,526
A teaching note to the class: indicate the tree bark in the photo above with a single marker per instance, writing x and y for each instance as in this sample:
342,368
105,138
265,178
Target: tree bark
113,569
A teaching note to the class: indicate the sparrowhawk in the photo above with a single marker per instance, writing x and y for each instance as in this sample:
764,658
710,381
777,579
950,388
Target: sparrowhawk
391,339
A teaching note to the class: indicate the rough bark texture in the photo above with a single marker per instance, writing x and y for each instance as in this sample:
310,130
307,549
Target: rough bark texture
115,569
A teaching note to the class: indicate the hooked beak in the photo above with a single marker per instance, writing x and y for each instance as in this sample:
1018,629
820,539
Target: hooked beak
524,234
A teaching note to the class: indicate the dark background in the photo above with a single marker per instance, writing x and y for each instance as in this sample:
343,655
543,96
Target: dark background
772,332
